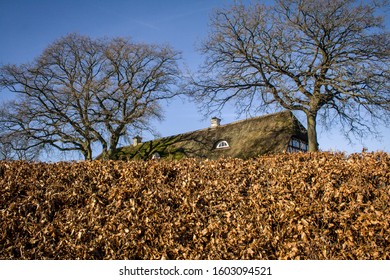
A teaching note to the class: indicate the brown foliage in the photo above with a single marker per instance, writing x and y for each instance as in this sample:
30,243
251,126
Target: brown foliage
289,206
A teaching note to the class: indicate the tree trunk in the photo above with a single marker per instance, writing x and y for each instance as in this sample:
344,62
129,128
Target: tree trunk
312,131
109,150
88,153
86,150
113,145
110,154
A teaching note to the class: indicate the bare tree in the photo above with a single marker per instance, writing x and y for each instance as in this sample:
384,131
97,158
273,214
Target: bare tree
55,95
138,78
327,58
82,91
14,146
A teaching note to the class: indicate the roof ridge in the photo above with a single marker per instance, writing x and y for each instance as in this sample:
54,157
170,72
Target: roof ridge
223,125
257,117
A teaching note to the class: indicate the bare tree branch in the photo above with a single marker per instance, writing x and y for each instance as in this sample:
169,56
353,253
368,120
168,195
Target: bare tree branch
80,92
312,56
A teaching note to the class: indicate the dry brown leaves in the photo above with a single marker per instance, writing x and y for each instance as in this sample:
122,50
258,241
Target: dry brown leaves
291,206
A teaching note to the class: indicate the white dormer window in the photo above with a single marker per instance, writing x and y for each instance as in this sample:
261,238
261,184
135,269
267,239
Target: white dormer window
222,144
156,156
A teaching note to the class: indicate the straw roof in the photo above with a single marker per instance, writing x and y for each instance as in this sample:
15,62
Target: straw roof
247,138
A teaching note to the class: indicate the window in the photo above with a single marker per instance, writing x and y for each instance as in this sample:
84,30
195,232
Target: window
222,144
156,156
296,145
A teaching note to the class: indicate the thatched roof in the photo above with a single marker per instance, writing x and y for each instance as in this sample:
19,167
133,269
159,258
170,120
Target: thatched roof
246,139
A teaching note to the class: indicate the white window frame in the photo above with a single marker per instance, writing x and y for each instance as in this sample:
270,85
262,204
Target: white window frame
222,145
156,155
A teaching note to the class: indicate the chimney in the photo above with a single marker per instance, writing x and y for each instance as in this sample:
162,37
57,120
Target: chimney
137,140
215,122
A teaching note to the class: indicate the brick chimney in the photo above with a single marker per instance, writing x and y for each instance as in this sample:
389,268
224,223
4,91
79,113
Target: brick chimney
137,140
215,122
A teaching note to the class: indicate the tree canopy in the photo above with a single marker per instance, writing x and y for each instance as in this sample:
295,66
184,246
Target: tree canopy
325,58
82,91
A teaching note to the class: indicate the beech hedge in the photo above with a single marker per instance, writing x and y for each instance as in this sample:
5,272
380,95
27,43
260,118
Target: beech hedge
286,206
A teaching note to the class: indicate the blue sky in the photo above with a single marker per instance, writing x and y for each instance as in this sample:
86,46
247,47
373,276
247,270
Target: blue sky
28,27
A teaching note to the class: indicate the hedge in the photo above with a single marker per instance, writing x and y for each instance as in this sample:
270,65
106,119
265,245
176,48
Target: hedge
287,206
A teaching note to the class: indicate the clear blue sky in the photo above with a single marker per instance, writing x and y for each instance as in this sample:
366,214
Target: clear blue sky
27,27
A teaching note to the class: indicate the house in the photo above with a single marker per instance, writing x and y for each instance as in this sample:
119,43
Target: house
268,134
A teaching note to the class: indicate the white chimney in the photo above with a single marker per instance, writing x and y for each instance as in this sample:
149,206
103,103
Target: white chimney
215,122
137,140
